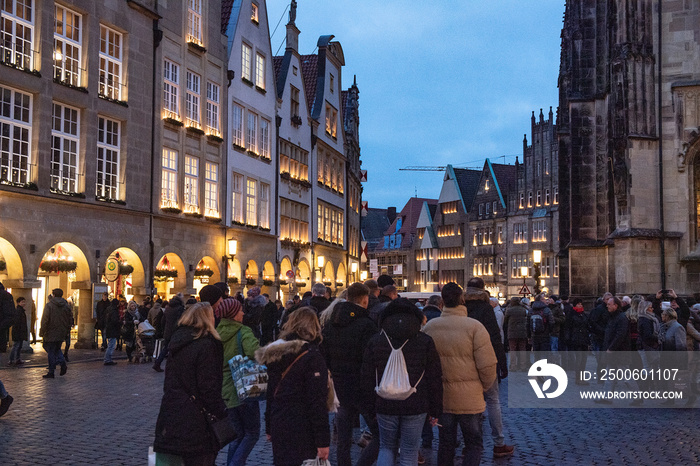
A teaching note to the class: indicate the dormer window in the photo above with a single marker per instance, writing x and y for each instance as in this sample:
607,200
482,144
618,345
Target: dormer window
332,82
194,22
486,186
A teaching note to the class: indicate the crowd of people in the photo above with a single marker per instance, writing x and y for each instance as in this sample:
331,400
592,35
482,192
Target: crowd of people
375,359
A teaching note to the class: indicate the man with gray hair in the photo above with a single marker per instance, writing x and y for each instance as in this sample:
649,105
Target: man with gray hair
318,298
433,308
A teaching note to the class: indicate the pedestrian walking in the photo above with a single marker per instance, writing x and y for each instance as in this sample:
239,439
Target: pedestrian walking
20,332
7,313
100,315
296,415
193,381
112,330
55,325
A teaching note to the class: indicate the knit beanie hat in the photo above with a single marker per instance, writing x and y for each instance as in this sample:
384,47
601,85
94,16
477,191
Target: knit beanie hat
210,294
228,308
254,292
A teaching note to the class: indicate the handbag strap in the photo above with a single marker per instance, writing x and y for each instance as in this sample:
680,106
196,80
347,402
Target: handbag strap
239,339
284,374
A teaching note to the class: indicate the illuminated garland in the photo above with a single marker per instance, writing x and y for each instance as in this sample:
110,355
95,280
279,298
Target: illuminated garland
58,266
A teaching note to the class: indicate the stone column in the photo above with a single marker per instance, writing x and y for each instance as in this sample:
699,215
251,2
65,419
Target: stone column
86,326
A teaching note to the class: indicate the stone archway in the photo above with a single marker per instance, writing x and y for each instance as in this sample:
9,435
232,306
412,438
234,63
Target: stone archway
341,281
234,279
268,277
251,274
206,272
170,278
132,279
11,267
303,277
328,274
286,283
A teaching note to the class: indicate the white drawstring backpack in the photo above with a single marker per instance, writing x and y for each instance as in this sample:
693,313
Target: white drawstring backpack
395,384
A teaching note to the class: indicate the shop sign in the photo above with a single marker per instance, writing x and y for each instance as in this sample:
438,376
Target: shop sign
111,269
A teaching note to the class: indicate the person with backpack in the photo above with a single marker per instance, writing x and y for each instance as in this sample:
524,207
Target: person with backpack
401,382
539,325
468,370
345,338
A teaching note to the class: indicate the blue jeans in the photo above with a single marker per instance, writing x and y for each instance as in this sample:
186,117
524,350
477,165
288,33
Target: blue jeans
112,343
399,431
246,419
53,350
493,409
554,343
472,431
16,350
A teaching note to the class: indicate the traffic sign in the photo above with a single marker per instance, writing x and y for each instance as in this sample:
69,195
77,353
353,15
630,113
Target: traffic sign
290,273
524,290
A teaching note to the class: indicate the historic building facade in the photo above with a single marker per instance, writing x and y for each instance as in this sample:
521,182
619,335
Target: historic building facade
628,126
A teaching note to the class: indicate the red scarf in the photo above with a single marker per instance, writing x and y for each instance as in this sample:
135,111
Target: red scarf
578,308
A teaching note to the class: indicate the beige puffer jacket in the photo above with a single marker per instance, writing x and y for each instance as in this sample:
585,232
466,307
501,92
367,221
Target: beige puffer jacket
467,358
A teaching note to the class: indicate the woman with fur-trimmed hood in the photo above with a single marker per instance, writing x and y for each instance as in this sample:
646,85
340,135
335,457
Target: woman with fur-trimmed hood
296,416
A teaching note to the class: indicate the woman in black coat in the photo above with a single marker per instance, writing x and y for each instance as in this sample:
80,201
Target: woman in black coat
296,417
193,371
401,323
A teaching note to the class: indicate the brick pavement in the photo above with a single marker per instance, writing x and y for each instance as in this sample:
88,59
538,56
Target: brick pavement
99,415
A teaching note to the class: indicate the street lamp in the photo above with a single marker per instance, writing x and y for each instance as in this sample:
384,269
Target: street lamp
536,261
231,250
523,272
320,262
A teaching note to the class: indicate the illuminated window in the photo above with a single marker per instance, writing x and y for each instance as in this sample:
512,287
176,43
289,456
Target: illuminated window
294,221
251,143
194,21
237,202
254,15
211,190
65,141
539,197
246,62
111,64
546,196
15,135
107,158
264,205
521,205
213,109
294,110
331,120
260,71
264,138
294,160
191,197
251,210
67,46
17,33
495,211
237,125
546,167
529,198
192,100
556,195
171,88
500,234
168,196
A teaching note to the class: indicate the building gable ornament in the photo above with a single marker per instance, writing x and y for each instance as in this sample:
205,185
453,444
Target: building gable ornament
686,98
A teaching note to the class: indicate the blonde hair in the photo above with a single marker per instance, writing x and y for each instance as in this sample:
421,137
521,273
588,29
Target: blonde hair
670,313
200,317
304,323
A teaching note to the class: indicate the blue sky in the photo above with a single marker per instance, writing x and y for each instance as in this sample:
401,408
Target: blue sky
440,82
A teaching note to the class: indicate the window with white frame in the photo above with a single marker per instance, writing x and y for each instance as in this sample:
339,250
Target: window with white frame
171,89
107,158
67,44
519,230
521,204
15,135
168,195
529,198
251,217
539,230
264,212
331,120
539,197
260,71
65,140
211,190
488,209
556,195
110,85
264,138
191,198
251,143
194,21
237,201
294,160
500,235
17,33
237,125
192,100
213,109
294,108
246,62
294,221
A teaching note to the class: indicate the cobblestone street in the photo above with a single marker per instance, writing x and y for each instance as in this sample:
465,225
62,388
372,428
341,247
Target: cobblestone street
101,415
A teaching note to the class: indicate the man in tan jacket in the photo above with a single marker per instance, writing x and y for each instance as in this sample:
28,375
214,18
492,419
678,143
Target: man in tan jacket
468,370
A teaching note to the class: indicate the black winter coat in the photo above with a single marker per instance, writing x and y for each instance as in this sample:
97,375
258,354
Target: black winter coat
540,308
577,326
56,321
112,323
20,331
598,322
320,303
194,368
268,323
617,333
296,416
7,308
172,313
479,308
345,338
648,328
422,360
101,313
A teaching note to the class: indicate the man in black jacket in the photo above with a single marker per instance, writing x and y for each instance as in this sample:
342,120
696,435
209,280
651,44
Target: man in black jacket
7,313
55,325
100,314
478,304
345,338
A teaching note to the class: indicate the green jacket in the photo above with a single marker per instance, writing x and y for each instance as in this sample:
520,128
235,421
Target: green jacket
228,331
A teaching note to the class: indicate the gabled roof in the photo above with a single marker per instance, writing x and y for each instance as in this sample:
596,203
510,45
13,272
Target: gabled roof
425,220
309,71
277,65
504,178
408,217
374,225
226,7
468,182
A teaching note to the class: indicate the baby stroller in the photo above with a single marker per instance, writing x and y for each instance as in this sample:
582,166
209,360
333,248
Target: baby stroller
145,342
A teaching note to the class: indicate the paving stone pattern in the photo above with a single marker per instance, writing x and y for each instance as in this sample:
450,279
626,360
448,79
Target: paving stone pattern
97,415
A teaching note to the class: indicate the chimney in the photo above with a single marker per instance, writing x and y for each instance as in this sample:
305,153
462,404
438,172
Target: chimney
391,214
